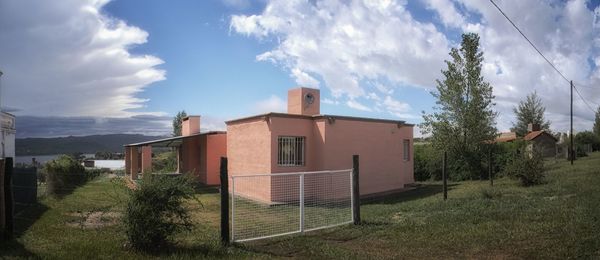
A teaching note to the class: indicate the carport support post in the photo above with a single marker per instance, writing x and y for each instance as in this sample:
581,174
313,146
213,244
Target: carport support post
8,198
445,175
224,202
355,190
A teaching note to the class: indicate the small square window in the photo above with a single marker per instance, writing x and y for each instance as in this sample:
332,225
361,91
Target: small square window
290,150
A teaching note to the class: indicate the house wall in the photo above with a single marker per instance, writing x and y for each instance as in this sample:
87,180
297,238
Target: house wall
190,155
249,152
545,144
380,147
216,148
7,135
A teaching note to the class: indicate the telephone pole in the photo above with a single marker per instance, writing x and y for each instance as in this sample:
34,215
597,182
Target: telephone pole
571,150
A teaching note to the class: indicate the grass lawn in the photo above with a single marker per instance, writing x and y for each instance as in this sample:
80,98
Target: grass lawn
560,219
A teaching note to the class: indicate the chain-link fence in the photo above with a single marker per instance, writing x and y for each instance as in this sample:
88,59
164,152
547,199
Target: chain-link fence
270,205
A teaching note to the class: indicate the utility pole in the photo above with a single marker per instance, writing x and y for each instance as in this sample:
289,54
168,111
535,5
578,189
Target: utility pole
571,150
1,91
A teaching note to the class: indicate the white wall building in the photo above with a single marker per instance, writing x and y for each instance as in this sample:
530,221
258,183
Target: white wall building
7,137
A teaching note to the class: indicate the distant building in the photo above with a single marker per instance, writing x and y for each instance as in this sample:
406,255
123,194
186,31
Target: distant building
7,137
506,137
540,141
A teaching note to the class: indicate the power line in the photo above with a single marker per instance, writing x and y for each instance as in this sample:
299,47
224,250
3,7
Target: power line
541,54
531,43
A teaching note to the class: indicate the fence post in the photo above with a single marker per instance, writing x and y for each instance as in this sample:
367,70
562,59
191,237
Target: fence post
8,198
224,202
355,190
301,203
445,175
491,166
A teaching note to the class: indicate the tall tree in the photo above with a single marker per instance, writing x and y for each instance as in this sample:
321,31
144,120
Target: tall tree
177,122
597,123
464,119
530,111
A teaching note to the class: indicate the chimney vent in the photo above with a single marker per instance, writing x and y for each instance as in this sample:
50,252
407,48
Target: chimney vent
533,127
190,125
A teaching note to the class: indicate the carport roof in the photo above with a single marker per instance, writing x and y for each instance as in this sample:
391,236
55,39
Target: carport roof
172,141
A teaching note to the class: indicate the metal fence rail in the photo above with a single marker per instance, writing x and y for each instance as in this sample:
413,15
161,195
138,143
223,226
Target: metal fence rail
270,205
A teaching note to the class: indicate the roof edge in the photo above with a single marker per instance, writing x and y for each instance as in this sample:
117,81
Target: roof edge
321,116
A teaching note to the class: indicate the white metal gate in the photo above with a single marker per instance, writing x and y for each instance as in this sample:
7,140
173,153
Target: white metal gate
270,205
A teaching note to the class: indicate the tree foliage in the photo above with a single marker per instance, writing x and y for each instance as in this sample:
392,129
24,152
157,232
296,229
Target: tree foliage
597,123
464,119
177,122
530,111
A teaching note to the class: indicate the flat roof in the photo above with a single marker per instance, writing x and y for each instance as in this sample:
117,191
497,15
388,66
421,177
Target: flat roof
172,141
286,115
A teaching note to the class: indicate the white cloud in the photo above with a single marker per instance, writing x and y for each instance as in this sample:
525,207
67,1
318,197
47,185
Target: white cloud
447,12
357,105
357,47
344,43
271,104
67,58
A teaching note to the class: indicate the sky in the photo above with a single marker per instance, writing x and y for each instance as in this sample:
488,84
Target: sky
80,67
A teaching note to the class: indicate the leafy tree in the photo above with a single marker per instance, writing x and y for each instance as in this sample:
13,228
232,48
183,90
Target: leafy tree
530,111
587,138
464,119
597,123
177,122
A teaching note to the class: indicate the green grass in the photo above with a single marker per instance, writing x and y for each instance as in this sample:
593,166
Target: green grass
559,219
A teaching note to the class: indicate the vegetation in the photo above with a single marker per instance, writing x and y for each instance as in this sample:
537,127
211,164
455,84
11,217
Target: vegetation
64,174
530,111
527,167
156,211
463,121
558,219
77,144
596,128
164,162
587,138
177,122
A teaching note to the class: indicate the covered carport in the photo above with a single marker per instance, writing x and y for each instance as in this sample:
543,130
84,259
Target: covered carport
197,153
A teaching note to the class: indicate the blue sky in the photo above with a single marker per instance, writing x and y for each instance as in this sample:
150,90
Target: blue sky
93,64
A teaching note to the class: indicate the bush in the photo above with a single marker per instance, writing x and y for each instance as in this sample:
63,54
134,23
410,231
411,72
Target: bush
428,163
156,211
64,174
165,162
528,168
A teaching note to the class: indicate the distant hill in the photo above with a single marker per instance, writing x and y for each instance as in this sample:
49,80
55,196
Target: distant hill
74,144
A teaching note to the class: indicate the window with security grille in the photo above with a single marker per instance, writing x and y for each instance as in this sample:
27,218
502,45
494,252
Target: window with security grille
406,145
290,150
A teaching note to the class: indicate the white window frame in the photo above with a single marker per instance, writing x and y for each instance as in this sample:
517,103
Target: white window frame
296,151
406,150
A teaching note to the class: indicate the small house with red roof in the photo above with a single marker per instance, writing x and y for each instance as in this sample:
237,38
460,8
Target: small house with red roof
540,141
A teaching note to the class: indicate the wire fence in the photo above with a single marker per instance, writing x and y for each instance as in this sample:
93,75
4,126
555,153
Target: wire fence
270,205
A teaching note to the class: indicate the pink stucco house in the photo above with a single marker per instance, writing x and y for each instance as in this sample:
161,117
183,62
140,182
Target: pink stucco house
305,140
197,153
297,141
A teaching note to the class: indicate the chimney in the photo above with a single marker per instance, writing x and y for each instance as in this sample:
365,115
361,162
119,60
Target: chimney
304,101
190,125
532,127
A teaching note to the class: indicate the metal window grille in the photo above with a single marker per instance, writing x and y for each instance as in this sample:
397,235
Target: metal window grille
406,146
271,205
290,150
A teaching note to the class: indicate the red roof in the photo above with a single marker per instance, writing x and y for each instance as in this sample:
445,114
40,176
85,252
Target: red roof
506,137
534,134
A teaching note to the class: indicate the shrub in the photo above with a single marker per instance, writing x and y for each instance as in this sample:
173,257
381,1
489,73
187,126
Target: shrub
156,211
428,163
528,168
64,174
165,162
490,193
